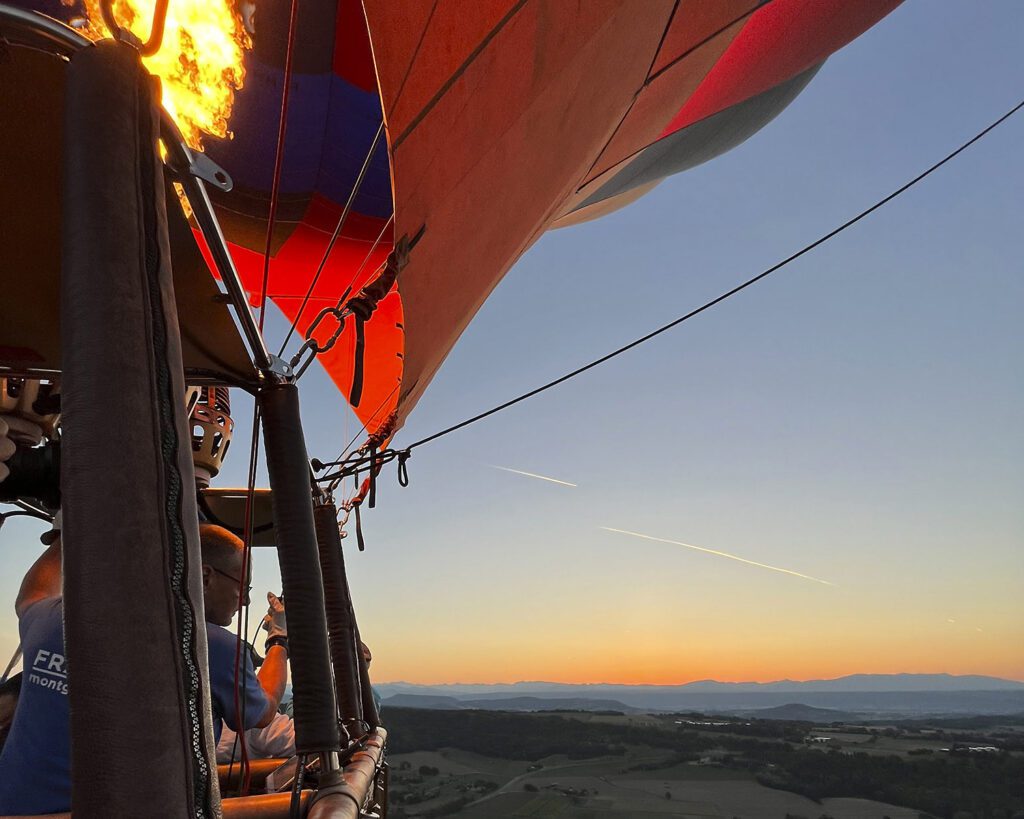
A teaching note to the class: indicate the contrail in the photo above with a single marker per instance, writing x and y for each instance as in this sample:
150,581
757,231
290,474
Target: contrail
720,554
531,475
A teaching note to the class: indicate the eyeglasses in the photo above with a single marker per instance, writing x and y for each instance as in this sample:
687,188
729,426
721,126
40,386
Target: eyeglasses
236,580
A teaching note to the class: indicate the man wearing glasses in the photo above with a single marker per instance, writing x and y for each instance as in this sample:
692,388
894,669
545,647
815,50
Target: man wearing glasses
259,695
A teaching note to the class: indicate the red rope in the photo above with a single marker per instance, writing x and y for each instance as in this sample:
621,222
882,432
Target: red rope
243,581
282,127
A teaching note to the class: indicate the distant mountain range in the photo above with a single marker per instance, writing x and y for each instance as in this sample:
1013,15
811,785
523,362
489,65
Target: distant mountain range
850,683
505,703
862,694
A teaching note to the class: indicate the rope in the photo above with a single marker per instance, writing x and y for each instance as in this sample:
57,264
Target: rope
10,665
345,451
241,630
282,128
764,274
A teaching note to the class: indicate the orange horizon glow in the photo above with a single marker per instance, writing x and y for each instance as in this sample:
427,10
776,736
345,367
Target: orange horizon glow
1015,675
674,681
736,642
648,670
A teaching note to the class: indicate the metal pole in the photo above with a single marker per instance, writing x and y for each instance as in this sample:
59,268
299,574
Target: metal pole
202,207
341,623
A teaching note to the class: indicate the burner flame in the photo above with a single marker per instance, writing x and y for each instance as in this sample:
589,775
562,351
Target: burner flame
199,61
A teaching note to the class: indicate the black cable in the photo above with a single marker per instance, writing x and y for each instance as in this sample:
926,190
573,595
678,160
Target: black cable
343,455
294,808
38,511
727,294
22,514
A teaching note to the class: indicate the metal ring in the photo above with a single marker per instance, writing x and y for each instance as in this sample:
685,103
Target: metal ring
156,33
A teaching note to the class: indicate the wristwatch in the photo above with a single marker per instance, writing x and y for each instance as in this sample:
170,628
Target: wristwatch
279,640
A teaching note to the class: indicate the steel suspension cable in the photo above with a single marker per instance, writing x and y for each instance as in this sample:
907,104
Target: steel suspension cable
334,236
282,129
729,293
366,258
341,316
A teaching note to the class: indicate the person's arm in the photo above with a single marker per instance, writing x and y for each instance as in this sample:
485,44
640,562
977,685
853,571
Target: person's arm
42,580
272,678
274,673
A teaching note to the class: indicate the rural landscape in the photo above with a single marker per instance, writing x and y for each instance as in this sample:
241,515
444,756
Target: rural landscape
496,754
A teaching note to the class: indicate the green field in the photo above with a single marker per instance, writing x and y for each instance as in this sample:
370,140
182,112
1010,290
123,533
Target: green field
571,764
603,788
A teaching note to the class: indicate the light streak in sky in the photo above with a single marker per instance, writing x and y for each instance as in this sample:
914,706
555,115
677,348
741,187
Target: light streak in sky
719,554
531,475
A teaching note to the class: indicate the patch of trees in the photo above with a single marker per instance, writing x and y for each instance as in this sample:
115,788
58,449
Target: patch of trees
984,787
783,730
977,723
508,736
673,759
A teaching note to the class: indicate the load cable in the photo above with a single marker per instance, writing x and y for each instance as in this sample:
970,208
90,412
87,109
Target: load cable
282,129
311,344
334,236
362,459
729,293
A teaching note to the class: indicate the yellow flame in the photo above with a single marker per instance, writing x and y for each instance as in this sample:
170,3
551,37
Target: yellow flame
199,61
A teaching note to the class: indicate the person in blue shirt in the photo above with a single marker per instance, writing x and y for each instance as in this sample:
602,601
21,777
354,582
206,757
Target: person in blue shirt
260,695
35,764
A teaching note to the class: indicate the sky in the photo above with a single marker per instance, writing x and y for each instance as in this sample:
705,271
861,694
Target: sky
855,418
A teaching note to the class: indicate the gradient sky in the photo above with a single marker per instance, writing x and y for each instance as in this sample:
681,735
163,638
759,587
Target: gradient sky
856,418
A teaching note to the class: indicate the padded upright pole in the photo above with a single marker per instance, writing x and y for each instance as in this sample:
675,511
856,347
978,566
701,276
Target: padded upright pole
315,706
341,621
141,737
370,715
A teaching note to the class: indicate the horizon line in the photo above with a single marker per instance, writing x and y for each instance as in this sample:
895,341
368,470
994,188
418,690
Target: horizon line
720,682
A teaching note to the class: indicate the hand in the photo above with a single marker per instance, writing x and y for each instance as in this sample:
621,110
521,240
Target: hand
7,447
274,623
21,431
15,431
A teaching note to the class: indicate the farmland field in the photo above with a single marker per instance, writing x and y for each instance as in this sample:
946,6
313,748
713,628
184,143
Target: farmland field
600,788
478,764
